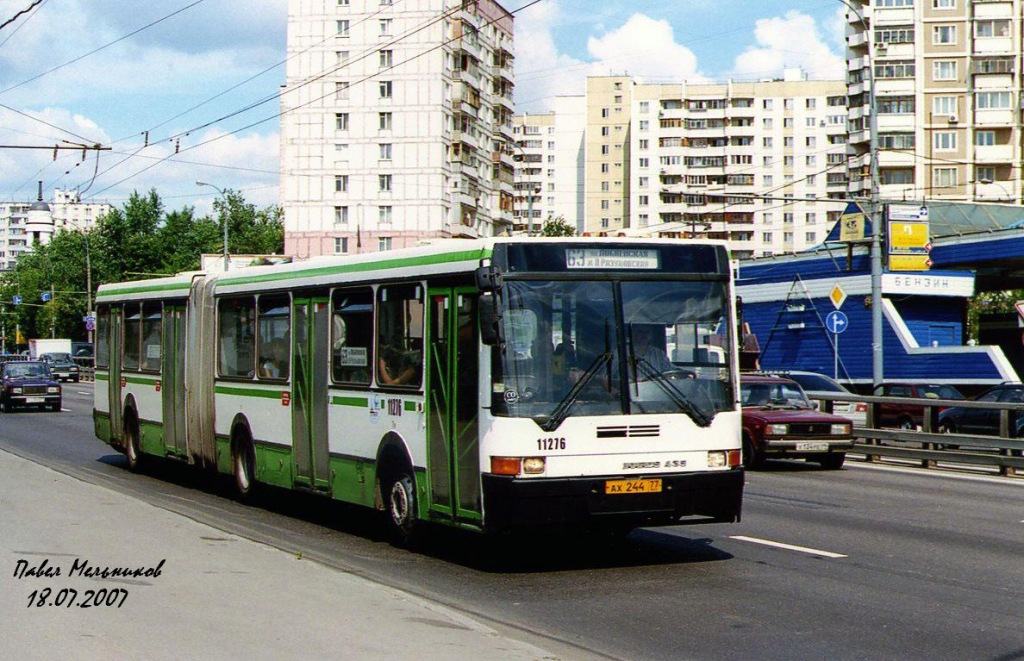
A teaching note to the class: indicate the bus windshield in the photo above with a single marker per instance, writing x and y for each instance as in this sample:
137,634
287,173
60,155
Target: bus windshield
569,343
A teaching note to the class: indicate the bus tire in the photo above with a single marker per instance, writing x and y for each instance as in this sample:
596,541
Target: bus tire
132,449
400,506
243,460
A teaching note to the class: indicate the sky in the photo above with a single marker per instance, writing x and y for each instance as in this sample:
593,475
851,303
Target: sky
186,90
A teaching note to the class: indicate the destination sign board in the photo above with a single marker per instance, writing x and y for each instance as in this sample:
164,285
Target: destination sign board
612,258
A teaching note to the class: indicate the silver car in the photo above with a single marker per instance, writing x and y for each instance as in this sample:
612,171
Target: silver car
814,384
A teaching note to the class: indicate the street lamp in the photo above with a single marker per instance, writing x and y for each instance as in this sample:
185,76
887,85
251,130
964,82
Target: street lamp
224,195
876,216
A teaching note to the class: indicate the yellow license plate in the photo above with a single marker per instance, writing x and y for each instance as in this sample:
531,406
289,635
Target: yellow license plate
652,485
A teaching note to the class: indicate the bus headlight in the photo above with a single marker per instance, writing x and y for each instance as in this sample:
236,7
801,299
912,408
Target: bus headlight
777,430
841,429
533,465
716,459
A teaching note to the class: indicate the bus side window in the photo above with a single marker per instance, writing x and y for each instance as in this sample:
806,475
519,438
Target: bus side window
352,336
274,325
237,328
400,314
152,336
132,337
102,337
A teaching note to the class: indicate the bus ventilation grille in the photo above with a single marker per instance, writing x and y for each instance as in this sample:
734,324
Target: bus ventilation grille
634,431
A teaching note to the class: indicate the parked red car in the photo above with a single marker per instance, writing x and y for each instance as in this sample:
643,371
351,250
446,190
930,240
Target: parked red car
910,416
780,421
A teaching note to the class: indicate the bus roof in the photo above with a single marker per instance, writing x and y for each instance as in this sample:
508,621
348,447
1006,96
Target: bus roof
436,258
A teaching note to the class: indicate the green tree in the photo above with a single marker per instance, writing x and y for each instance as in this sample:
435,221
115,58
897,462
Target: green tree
557,227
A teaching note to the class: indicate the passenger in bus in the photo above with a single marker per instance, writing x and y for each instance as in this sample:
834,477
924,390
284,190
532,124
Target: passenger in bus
392,370
274,359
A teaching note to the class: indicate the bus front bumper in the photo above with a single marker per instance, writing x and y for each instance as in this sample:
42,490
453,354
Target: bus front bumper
514,503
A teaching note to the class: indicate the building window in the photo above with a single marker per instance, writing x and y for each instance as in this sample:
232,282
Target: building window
896,141
340,215
341,56
340,245
810,237
384,121
944,70
992,28
985,175
943,34
944,105
384,182
341,183
767,142
767,122
897,176
992,100
385,151
643,200
342,28
985,139
385,89
341,121
944,141
341,91
943,4
645,107
769,104
903,69
810,103
384,214
385,27
387,59
944,177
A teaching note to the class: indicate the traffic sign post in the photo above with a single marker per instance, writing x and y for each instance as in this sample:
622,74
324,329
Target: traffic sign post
836,322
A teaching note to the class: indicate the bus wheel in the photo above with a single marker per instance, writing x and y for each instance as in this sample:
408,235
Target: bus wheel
401,507
131,447
245,469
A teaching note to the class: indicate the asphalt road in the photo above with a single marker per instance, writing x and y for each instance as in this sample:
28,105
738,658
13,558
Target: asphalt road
863,563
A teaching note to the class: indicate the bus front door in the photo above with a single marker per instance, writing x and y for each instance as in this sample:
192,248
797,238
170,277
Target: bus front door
310,325
114,380
172,378
452,404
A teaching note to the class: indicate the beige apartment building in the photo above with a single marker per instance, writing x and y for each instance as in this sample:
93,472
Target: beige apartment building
755,164
947,93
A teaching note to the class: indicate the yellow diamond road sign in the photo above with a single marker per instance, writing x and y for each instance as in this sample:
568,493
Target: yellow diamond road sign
837,296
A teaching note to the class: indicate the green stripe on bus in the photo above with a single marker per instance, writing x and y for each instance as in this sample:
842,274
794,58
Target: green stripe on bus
405,262
248,392
410,405
361,402
142,380
141,289
101,376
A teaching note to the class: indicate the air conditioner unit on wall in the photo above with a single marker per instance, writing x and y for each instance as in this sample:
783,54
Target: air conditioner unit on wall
953,119
881,46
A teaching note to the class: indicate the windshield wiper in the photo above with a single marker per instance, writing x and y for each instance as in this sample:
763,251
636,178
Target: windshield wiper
679,399
561,411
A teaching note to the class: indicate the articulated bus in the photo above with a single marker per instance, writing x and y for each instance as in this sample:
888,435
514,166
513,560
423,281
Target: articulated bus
497,385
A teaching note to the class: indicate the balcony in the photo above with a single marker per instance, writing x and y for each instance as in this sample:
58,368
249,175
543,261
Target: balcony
991,45
993,153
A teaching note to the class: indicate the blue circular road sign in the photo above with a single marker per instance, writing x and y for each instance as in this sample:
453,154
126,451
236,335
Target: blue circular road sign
836,321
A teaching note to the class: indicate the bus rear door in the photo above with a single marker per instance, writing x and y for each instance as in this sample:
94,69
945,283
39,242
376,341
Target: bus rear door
172,377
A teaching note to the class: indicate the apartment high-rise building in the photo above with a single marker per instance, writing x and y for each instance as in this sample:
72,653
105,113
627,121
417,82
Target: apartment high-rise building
947,97
24,223
396,123
549,165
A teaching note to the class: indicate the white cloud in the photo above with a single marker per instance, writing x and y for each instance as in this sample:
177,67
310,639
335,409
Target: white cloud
789,41
644,47
641,46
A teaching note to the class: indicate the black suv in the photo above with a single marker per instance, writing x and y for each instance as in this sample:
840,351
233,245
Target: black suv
957,420
28,383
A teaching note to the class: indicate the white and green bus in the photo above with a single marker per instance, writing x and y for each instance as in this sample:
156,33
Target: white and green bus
496,385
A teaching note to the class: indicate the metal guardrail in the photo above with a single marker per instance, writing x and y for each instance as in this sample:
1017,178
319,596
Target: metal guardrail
1004,452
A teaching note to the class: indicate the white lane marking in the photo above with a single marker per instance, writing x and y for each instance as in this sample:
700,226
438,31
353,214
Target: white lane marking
936,472
788,547
82,392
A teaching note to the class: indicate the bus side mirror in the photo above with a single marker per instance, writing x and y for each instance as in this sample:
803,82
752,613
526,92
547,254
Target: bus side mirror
490,320
488,279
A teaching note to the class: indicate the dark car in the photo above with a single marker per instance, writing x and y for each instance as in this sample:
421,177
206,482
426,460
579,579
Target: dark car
910,416
780,421
28,383
959,420
62,366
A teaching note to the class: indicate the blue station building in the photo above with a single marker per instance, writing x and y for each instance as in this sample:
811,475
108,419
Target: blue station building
974,248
